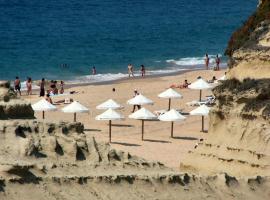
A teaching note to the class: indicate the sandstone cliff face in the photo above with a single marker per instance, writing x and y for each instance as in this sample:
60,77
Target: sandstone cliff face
239,129
238,141
249,46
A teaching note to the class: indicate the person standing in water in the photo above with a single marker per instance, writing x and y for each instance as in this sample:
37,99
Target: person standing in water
42,88
217,63
143,70
17,85
130,70
206,60
94,71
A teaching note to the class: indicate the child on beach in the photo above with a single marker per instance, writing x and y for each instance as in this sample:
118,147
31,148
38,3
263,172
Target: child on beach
17,85
134,106
29,86
48,98
143,70
130,70
62,87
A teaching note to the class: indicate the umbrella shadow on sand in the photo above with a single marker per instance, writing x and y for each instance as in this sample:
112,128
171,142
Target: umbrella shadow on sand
126,144
123,125
94,130
185,138
159,141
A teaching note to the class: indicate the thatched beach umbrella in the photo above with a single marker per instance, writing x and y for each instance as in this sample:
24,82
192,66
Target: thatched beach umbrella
109,104
222,78
75,107
143,114
140,100
110,115
200,84
43,106
170,94
203,111
171,116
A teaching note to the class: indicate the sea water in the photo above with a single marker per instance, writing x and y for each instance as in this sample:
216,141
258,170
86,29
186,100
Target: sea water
64,39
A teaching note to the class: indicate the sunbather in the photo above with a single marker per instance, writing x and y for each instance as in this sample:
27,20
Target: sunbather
181,86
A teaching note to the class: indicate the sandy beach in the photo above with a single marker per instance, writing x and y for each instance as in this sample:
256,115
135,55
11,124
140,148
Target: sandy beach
126,135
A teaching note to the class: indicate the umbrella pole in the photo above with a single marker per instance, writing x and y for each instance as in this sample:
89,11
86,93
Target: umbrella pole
110,131
202,123
142,129
74,117
43,114
169,104
200,95
172,130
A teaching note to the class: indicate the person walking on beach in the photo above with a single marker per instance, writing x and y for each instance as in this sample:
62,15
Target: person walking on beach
94,71
62,87
130,70
134,106
17,85
29,86
206,60
143,70
42,88
217,62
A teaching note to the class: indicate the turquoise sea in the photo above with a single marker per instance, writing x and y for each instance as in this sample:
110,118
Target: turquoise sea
38,37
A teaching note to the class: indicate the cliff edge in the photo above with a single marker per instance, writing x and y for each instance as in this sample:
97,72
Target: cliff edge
249,46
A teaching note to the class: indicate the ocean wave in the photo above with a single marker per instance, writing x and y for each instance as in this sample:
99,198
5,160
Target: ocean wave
192,61
99,78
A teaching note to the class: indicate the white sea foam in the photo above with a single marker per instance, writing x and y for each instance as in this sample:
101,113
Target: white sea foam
98,78
182,64
191,61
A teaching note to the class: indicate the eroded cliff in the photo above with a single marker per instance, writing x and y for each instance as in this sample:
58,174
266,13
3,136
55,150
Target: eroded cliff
249,46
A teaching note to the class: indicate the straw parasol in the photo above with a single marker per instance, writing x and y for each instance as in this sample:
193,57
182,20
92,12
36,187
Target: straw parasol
75,107
43,106
110,115
171,116
109,104
143,114
140,100
222,78
203,111
200,84
170,94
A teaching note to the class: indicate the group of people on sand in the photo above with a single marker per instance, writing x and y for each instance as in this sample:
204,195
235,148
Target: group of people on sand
17,85
217,61
53,89
131,70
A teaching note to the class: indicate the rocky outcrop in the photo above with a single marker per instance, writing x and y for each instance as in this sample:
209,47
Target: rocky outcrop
12,107
249,46
41,160
238,141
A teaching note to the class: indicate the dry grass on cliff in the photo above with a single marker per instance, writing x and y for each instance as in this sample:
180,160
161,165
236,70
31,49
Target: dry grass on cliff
242,35
253,93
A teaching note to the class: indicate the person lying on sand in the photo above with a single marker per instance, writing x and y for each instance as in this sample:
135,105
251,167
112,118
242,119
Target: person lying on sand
213,80
65,101
181,86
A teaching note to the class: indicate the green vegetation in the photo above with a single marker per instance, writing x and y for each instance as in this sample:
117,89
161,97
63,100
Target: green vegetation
242,35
